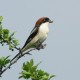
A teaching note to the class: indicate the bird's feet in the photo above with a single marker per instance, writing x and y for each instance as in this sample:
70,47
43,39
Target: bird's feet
42,46
20,52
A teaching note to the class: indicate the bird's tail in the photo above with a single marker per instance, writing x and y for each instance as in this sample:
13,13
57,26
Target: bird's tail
20,53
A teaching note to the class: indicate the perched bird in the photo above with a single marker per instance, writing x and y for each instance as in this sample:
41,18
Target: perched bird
38,35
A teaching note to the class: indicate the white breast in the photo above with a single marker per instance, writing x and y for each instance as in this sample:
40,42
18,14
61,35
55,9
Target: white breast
44,28
41,36
43,31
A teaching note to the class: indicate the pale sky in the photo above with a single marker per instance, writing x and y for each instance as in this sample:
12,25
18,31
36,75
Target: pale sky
62,53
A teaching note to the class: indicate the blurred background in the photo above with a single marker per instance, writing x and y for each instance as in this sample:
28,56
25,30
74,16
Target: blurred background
62,53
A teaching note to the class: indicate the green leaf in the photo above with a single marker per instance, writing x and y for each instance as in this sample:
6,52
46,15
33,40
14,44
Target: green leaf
25,75
5,31
30,71
12,35
6,37
11,47
1,18
51,76
15,42
5,34
45,77
0,27
4,61
40,72
25,67
45,73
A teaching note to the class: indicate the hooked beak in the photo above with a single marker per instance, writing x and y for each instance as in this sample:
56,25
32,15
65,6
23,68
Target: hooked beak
50,21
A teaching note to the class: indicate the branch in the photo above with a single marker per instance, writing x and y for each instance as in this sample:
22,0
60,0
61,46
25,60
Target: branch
14,60
18,56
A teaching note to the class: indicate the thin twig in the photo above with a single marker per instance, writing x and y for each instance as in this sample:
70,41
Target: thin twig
17,57
14,61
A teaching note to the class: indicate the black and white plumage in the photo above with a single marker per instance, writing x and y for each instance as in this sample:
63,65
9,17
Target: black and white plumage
38,35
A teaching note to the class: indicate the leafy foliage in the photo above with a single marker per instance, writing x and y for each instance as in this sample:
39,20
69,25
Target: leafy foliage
6,37
3,62
30,71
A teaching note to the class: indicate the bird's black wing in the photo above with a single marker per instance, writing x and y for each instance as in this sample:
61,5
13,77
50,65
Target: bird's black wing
32,35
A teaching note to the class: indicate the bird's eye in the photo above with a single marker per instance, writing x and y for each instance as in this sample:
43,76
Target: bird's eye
46,19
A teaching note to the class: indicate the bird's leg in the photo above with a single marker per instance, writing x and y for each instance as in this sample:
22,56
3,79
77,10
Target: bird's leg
20,52
40,46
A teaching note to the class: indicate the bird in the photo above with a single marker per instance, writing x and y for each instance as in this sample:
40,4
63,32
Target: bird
38,34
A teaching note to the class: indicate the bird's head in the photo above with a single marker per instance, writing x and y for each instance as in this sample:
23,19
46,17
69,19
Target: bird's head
42,21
